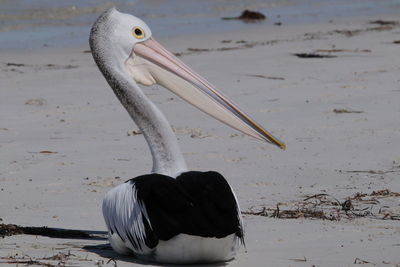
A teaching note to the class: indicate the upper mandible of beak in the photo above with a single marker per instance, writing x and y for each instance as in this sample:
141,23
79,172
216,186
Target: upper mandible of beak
151,63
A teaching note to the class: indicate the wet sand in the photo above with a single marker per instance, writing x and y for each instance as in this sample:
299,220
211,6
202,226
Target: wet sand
65,141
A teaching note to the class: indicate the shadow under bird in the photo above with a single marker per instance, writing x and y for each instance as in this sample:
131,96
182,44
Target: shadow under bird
171,215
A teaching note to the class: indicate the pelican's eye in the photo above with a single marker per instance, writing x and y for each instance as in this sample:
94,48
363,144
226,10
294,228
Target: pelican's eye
138,33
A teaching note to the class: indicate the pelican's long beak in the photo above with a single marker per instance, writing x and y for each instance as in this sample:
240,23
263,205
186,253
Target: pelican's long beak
151,63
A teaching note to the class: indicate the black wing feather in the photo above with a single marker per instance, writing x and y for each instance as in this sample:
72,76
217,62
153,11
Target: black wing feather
195,203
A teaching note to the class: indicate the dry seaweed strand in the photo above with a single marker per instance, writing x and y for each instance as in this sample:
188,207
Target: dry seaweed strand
343,50
28,263
327,207
49,66
12,229
27,260
61,259
374,171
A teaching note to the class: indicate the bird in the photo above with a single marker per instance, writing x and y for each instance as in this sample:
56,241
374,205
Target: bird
170,215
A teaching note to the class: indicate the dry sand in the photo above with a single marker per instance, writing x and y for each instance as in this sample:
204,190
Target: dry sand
65,140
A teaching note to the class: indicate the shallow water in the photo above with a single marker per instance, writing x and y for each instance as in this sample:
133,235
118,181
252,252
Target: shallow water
28,24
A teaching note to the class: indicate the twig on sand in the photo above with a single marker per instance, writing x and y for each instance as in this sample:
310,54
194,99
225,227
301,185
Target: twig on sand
264,76
114,261
304,259
361,261
342,110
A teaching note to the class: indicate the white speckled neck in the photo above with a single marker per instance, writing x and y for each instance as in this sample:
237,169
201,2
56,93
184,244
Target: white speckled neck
167,157
166,154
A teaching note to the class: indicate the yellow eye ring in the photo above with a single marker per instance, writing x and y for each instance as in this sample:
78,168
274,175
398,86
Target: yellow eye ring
138,33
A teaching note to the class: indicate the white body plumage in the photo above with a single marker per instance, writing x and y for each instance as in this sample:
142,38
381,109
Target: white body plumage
124,215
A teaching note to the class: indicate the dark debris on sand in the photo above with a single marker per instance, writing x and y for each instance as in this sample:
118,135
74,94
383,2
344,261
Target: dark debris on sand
252,15
351,33
248,15
327,207
343,110
313,55
12,66
384,22
59,259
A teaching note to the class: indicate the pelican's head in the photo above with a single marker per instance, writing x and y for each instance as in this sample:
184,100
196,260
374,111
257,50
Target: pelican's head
128,40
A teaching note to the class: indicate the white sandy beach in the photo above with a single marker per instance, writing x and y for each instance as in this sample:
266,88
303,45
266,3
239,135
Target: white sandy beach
65,140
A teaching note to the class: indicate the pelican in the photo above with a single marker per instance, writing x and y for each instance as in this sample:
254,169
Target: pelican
171,215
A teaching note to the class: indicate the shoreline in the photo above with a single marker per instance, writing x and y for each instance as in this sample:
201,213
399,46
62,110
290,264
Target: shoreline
55,25
254,31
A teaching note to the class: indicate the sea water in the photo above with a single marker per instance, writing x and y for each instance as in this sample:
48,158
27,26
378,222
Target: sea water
31,24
